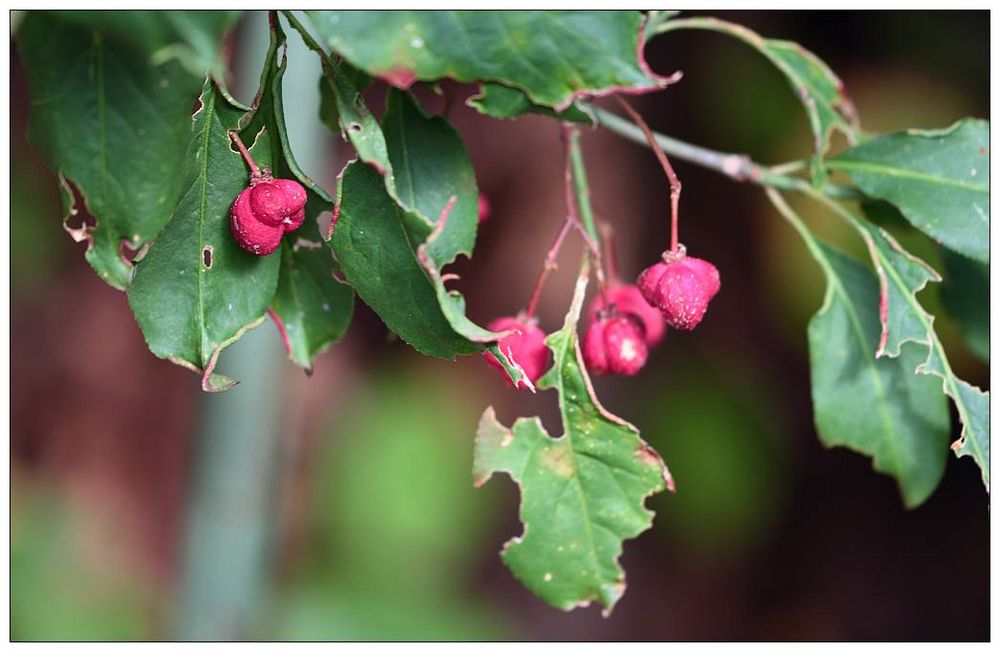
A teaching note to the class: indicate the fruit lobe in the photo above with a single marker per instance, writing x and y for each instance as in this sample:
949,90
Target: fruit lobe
615,345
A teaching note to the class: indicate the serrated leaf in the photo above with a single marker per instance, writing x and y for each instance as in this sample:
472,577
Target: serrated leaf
901,276
973,406
506,103
939,180
876,406
311,307
821,92
189,310
966,296
583,53
193,38
114,126
582,494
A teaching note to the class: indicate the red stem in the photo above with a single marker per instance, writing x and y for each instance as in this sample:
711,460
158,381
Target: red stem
550,264
675,184
572,221
254,170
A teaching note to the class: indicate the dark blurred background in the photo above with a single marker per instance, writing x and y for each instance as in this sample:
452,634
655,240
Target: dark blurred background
377,532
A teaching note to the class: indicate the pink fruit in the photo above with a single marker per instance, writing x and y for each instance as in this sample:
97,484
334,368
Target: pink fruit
627,300
250,233
681,289
526,347
264,212
615,345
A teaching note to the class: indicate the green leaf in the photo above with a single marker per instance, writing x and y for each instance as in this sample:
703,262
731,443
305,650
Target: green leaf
901,276
189,310
876,406
432,179
939,180
582,494
311,307
421,145
376,255
821,92
973,406
555,57
193,38
343,109
430,167
114,126
504,102
966,296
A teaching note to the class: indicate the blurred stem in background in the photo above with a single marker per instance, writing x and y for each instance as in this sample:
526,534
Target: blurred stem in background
239,444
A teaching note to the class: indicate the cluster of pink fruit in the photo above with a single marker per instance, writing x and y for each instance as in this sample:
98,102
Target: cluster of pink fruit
624,322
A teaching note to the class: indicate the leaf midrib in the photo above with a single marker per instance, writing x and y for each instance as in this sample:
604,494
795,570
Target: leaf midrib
209,109
871,364
904,173
568,432
102,128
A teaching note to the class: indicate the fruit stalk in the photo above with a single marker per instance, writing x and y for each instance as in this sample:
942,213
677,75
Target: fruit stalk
675,184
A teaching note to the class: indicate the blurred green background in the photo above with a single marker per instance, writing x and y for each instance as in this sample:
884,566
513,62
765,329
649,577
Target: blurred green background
374,530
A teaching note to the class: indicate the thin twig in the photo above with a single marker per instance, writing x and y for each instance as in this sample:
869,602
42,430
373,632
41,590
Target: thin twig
738,167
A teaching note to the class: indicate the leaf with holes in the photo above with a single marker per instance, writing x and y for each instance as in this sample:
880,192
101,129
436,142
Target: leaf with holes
311,307
821,92
582,54
939,180
876,406
196,291
114,126
582,494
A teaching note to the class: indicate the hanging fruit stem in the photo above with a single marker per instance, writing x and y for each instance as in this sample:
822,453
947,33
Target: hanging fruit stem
675,184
